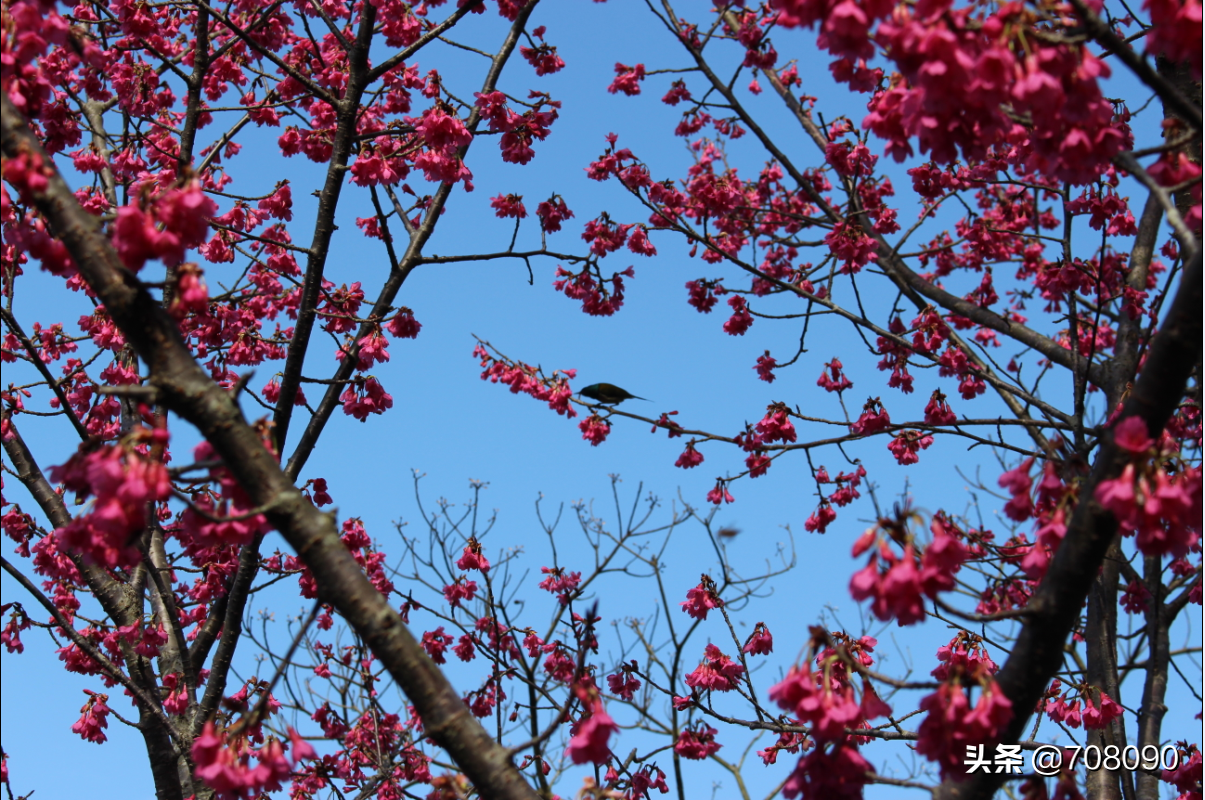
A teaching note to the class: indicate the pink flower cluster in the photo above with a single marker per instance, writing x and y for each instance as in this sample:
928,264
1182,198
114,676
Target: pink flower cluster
898,584
364,396
1175,31
444,135
225,766
124,479
717,672
543,57
223,519
697,742
826,701
1065,706
760,642
874,418
595,429
836,772
953,724
701,599
591,732
552,212
833,379
1162,511
174,222
958,75
560,582
624,683
627,79
473,557
529,380
94,718
599,297
905,445
1050,510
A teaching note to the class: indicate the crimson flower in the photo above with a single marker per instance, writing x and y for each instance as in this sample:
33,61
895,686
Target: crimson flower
760,642
594,429
590,736
627,79
690,457
473,558
717,672
697,742
701,599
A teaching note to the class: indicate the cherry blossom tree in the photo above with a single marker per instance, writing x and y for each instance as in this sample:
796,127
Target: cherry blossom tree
1016,292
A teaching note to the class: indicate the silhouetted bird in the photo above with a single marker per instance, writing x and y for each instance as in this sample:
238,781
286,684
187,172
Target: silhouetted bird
608,394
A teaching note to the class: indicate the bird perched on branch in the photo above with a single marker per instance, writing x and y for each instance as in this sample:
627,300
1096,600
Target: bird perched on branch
608,394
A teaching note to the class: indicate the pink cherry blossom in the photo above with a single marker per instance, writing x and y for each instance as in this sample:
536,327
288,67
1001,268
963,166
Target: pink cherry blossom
760,642
623,683
765,367
701,599
717,672
697,742
591,736
473,558
94,719
832,379
690,457
627,79
874,418
720,494
595,429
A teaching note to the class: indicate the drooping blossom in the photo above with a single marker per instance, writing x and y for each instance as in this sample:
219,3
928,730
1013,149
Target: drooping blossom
765,367
760,642
720,494
697,742
473,557
827,703
624,683
776,425
591,736
874,418
627,79
123,483
906,445
560,582
952,723
595,429
690,457
717,672
460,590
94,718
225,766
836,772
833,379
701,599
898,584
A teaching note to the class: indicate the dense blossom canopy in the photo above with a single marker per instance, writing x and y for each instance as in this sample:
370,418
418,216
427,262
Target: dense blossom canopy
968,237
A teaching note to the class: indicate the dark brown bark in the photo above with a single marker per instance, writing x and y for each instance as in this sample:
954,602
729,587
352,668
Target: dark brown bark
1154,688
1100,636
